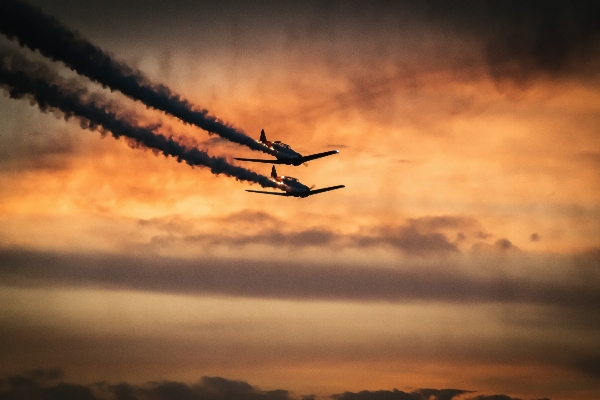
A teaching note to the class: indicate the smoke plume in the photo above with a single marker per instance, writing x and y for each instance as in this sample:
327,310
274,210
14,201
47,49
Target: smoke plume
32,28
23,78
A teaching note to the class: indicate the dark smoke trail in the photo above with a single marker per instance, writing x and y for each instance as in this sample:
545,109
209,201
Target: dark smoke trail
21,78
32,28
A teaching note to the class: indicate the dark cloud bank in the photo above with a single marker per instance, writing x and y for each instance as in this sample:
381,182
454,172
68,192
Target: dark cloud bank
520,40
296,280
42,385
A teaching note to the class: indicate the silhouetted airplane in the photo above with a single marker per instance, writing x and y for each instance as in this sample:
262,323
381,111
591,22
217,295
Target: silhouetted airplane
285,154
293,187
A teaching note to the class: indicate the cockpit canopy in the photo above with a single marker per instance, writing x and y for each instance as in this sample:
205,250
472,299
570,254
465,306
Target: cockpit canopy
277,142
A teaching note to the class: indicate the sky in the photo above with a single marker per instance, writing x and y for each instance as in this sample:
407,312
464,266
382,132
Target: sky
461,260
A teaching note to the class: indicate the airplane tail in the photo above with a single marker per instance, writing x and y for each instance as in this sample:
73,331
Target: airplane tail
273,172
263,138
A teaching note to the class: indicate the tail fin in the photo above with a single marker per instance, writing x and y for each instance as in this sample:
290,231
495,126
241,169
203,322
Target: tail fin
273,172
263,137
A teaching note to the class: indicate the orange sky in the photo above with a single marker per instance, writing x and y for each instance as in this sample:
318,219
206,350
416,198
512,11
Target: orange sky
462,253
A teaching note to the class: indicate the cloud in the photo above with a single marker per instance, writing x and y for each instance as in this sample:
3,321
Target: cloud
419,394
589,365
431,223
419,237
207,388
29,148
269,236
504,244
407,239
41,374
519,41
593,157
553,38
293,279
21,387
494,397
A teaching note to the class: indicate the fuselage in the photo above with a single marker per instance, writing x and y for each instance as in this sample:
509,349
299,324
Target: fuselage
284,151
293,185
288,183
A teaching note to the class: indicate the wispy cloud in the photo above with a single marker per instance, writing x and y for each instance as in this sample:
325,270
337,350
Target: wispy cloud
421,237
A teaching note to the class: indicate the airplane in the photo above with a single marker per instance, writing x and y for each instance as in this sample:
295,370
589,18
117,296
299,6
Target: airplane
285,154
293,187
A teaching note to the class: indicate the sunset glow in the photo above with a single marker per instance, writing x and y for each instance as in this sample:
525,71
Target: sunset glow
463,253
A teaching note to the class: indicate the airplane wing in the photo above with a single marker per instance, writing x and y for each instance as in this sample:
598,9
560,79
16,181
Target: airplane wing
298,194
310,193
275,193
304,159
263,161
291,161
